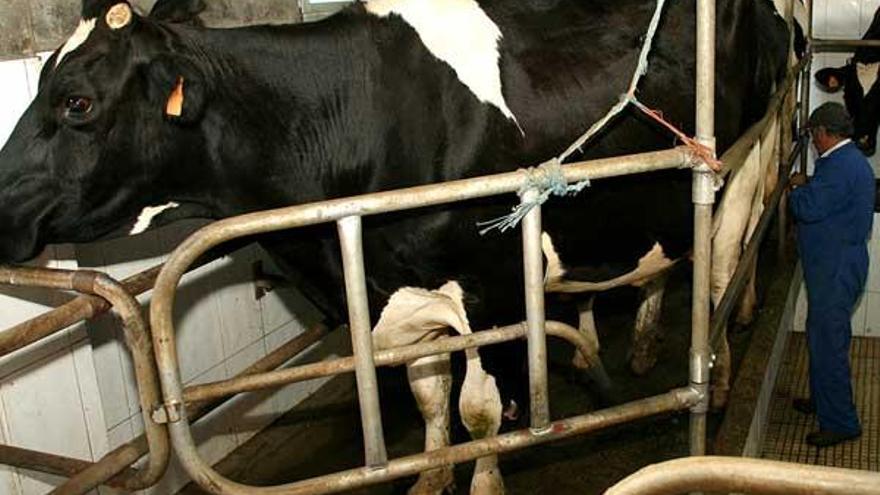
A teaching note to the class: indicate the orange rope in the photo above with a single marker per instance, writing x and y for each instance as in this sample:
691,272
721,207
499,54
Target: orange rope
699,149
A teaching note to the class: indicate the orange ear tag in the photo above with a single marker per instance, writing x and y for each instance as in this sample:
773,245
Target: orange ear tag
174,107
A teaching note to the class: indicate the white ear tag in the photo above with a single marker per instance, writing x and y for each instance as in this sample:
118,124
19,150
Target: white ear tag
118,16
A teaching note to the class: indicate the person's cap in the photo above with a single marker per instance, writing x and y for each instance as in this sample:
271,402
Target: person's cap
833,117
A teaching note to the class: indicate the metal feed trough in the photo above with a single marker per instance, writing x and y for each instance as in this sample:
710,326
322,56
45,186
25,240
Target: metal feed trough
174,409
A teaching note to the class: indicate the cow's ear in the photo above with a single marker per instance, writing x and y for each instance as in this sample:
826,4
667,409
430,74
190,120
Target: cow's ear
177,86
178,11
831,79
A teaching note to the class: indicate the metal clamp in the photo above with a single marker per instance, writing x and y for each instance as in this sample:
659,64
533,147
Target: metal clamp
701,390
170,412
705,184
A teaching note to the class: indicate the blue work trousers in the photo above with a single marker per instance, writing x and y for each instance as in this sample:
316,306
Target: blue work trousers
834,284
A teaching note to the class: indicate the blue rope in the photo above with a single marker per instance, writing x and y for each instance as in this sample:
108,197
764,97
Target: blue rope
548,180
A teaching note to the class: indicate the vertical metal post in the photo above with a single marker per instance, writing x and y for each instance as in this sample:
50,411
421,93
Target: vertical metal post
806,81
784,120
533,267
703,198
350,240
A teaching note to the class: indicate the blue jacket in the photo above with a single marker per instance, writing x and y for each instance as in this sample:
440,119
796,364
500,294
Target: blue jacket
834,212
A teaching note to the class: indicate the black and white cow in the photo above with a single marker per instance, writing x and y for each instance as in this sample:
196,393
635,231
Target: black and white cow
140,121
861,93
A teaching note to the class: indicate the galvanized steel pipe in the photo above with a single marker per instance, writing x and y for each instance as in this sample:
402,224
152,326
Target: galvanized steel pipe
84,307
533,269
138,341
327,211
350,239
385,357
674,400
743,475
842,46
807,80
703,198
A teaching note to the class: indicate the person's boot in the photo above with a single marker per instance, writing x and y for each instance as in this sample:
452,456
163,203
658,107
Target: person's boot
803,405
822,438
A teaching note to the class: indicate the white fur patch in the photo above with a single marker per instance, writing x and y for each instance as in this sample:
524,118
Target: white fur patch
459,33
867,74
148,214
555,271
78,37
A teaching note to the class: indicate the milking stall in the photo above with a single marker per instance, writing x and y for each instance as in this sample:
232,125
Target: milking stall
184,358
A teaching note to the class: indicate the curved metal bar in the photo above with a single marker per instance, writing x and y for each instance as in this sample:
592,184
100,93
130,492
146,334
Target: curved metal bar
138,341
743,475
82,308
327,211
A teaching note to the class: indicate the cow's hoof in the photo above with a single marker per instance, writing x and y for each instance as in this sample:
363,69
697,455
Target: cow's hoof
435,482
641,364
487,483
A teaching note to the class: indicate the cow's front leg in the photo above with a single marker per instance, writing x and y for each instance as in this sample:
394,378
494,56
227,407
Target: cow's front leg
430,380
480,407
646,332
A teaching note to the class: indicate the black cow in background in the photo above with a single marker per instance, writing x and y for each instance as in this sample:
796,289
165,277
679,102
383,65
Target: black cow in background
140,122
861,93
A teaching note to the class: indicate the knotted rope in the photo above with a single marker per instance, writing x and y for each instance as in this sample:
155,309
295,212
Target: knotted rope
548,178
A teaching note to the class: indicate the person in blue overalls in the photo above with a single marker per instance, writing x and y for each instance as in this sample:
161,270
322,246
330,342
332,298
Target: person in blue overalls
834,212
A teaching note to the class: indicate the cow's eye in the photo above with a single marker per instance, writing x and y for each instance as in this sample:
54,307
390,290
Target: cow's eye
78,106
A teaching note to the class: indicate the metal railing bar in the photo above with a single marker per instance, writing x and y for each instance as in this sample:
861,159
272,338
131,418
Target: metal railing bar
841,46
50,463
114,468
328,211
82,308
533,269
742,272
351,243
743,475
385,357
675,400
138,341
703,197
117,460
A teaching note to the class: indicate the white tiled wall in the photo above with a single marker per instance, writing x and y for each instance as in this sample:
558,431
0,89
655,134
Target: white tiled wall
74,394
847,19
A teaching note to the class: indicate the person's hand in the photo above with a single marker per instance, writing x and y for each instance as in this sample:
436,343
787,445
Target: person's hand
797,180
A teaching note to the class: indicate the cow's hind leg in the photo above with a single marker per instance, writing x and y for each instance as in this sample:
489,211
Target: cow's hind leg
647,326
749,300
480,407
430,380
721,375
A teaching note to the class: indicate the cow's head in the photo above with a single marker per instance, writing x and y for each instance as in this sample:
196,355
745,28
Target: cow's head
106,137
861,93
